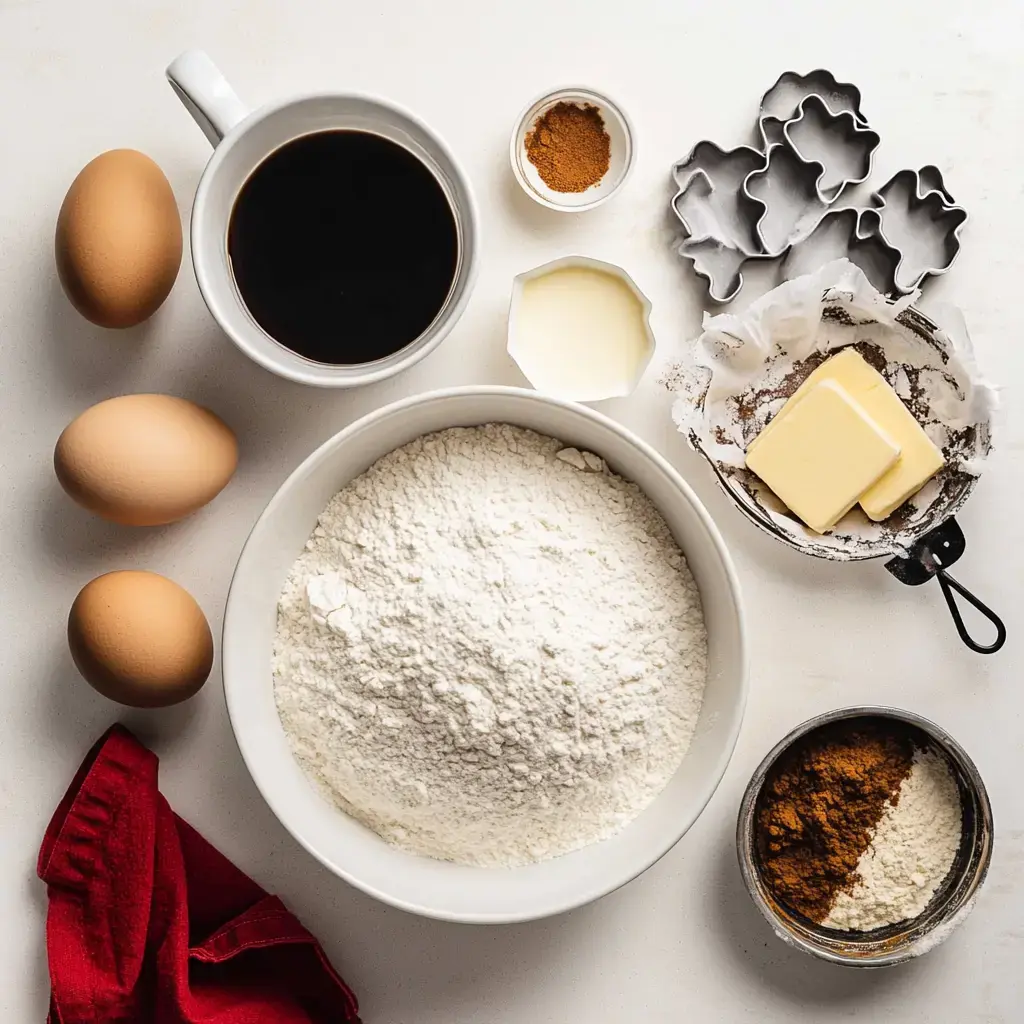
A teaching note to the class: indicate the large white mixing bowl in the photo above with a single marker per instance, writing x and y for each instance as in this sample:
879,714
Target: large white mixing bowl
418,884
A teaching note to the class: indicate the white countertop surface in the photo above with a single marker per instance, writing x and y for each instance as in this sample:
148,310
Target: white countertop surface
939,84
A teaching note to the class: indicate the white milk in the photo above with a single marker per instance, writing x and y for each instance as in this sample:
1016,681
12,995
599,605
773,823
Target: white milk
581,334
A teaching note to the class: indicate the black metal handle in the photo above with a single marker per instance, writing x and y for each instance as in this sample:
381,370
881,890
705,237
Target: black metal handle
939,548
948,585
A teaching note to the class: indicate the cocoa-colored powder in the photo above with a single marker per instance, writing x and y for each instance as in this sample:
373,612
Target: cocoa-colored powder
569,147
819,806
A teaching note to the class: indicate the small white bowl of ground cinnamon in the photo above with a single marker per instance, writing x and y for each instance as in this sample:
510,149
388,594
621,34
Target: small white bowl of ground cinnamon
572,149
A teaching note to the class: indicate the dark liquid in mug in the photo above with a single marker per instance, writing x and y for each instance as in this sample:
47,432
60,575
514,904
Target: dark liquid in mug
343,246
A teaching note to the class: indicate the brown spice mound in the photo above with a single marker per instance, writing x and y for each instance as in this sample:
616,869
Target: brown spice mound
819,806
569,147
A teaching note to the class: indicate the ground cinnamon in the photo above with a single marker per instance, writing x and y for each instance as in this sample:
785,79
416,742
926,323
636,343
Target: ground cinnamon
819,806
569,147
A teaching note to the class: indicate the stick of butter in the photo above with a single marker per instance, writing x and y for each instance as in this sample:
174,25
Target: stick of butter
919,458
819,455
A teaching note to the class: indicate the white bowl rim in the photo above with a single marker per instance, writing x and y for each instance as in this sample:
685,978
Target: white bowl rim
713,778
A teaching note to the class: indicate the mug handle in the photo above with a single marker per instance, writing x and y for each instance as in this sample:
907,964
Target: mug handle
206,94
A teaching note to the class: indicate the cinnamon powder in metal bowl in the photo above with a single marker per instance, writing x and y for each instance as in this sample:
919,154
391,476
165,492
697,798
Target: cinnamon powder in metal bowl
569,147
820,805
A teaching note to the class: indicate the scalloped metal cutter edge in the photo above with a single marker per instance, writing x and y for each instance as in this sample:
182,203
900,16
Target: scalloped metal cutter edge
913,216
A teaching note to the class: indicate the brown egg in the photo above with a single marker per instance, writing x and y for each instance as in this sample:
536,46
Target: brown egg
140,639
145,460
118,241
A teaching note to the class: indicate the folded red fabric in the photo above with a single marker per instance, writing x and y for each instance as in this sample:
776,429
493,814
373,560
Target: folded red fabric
149,923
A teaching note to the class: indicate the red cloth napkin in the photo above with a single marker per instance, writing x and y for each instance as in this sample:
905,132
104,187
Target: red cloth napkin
149,924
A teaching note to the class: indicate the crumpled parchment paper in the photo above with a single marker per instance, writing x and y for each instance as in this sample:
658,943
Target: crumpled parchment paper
744,367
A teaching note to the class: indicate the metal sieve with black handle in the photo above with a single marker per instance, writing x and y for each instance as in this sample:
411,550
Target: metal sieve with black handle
920,540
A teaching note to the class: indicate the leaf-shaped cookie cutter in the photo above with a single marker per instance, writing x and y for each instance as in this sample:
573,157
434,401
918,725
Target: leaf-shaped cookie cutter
782,101
797,207
859,140
851,233
720,230
727,217
925,190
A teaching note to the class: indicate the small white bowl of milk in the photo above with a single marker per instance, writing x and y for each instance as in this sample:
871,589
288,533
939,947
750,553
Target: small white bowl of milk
579,329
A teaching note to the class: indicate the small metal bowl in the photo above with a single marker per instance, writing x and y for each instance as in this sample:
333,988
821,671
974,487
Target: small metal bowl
952,902
619,129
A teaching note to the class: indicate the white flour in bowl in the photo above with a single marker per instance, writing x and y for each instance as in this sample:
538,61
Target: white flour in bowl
912,851
491,650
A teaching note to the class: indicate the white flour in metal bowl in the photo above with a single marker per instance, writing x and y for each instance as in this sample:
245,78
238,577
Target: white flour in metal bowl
491,650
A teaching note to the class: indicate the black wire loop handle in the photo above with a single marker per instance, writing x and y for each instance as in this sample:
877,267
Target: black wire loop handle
949,585
930,557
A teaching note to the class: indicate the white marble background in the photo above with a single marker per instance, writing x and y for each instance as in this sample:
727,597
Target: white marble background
940,84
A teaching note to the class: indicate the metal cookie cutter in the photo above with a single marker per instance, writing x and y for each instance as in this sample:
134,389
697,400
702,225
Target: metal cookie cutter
811,152
919,219
746,203
851,233
820,154
781,102
836,141
742,204
786,190
717,214
912,231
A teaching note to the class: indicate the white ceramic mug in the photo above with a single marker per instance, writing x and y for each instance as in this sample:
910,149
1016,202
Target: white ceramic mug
242,141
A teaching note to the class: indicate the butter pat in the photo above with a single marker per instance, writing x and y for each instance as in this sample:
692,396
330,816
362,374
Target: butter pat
821,453
919,458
